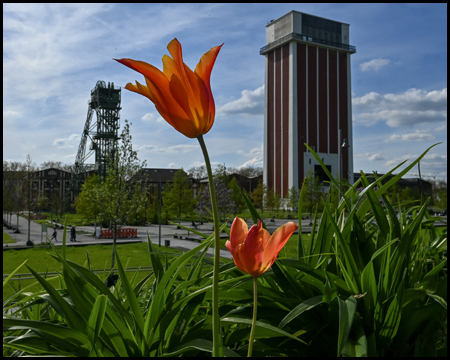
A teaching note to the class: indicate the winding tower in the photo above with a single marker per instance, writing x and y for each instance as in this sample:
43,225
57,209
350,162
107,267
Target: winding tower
103,133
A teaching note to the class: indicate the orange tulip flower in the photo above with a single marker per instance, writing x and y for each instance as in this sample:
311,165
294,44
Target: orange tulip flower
255,251
182,97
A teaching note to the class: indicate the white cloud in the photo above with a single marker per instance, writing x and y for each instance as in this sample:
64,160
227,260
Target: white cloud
397,160
370,157
8,113
152,117
411,107
250,103
176,149
255,162
256,155
375,157
374,65
418,135
70,142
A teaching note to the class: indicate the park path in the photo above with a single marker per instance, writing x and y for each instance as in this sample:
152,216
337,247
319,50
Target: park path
167,234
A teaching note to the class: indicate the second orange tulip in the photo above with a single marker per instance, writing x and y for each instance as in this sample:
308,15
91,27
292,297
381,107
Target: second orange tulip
254,251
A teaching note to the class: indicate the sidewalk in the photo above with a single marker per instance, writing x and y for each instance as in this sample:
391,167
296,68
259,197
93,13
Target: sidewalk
167,233
87,238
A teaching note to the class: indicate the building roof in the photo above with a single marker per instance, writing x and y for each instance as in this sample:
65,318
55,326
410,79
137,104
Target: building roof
155,175
401,181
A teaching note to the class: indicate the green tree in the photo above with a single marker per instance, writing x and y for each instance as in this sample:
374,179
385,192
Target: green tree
236,195
220,173
333,191
293,196
178,198
13,176
273,201
313,195
439,194
226,204
270,200
29,196
198,172
259,196
121,200
87,203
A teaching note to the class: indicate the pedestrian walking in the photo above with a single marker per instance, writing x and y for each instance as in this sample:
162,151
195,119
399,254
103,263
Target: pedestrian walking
73,234
54,235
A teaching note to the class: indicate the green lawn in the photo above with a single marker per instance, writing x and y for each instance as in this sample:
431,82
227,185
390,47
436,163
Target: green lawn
39,259
71,219
7,239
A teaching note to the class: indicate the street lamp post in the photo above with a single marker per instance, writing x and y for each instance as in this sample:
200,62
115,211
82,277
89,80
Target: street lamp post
159,196
343,144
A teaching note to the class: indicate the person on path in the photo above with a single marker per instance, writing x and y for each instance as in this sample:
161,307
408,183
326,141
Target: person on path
73,234
54,234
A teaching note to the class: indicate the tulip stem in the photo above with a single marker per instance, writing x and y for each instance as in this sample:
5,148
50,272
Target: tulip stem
255,305
217,343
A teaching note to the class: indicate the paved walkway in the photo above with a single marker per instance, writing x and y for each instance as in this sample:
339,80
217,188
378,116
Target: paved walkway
87,238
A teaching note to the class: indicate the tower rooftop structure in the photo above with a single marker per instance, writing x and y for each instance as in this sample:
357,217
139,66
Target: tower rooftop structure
306,28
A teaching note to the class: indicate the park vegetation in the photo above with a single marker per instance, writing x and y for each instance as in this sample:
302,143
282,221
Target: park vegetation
370,281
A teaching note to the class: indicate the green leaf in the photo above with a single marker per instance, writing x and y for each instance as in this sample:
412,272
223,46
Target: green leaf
198,344
96,318
353,274
253,212
189,229
301,247
431,279
330,291
369,288
12,274
59,304
154,259
62,333
357,347
392,320
439,300
383,188
161,293
131,297
276,331
299,309
347,311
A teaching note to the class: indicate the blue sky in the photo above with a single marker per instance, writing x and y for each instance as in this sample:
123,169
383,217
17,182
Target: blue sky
53,55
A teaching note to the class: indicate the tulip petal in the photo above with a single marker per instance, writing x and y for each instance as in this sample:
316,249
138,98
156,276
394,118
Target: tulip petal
276,242
203,70
145,69
180,95
206,63
157,84
238,233
188,89
140,89
165,104
180,69
251,253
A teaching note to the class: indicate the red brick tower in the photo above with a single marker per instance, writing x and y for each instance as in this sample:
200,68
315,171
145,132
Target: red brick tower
307,100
